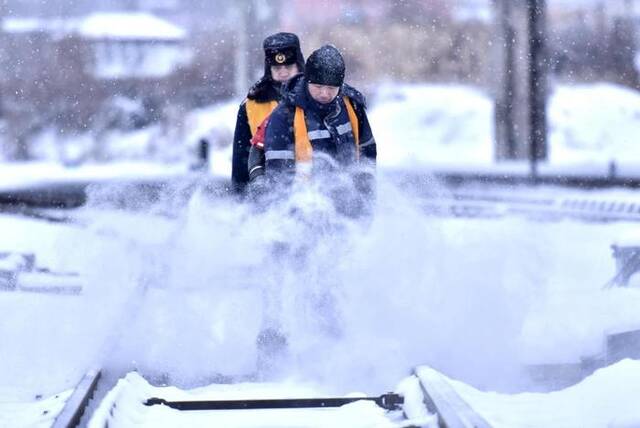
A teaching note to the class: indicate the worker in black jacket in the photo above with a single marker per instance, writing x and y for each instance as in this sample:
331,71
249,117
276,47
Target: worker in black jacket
283,59
320,127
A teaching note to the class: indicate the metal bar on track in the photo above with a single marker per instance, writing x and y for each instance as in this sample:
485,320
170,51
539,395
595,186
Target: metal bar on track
387,401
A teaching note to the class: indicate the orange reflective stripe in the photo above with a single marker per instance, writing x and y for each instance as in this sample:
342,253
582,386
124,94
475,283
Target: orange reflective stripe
354,124
258,112
303,150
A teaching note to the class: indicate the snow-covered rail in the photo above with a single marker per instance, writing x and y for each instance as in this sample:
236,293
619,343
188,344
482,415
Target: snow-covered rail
488,204
440,398
77,402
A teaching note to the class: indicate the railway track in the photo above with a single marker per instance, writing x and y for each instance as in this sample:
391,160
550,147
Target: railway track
434,400
425,399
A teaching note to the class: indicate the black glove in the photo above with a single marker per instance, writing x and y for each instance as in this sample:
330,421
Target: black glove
365,183
256,162
258,188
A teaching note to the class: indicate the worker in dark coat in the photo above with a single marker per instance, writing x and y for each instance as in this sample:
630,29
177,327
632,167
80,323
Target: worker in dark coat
320,126
283,59
319,132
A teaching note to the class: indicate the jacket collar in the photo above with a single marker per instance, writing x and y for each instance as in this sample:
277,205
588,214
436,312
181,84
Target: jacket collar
265,90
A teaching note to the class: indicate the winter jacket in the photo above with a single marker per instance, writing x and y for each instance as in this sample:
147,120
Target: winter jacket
328,129
264,95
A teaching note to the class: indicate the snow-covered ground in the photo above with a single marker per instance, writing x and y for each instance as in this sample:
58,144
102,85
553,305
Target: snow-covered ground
589,126
180,298
601,400
474,298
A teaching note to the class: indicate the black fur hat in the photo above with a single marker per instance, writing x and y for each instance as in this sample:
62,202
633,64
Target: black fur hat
325,66
279,48
282,49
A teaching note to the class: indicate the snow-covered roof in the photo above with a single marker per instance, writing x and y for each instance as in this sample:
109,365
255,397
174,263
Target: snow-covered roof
129,26
31,25
21,25
97,26
472,10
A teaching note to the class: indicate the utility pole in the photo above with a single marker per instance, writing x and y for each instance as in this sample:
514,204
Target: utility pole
241,82
3,43
505,83
3,124
521,81
538,66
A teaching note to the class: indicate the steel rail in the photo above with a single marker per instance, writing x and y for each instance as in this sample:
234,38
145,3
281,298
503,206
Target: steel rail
440,398
76,404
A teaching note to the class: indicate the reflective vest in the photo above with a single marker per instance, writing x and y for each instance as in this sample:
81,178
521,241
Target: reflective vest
258,112
303,148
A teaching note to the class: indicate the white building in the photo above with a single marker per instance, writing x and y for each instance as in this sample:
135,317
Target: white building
472,10
123,45
622,8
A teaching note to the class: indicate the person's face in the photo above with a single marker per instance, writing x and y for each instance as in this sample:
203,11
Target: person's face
282,73
323,94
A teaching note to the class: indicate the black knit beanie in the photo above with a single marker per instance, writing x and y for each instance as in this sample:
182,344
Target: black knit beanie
325,66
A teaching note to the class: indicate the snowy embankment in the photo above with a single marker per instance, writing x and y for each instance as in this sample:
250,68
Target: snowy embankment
32,413
19,176
605,399
451,127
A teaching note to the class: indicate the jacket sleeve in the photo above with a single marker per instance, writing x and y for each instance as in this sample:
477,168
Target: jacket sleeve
241,146
256,162
368,147
364,180
279,147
